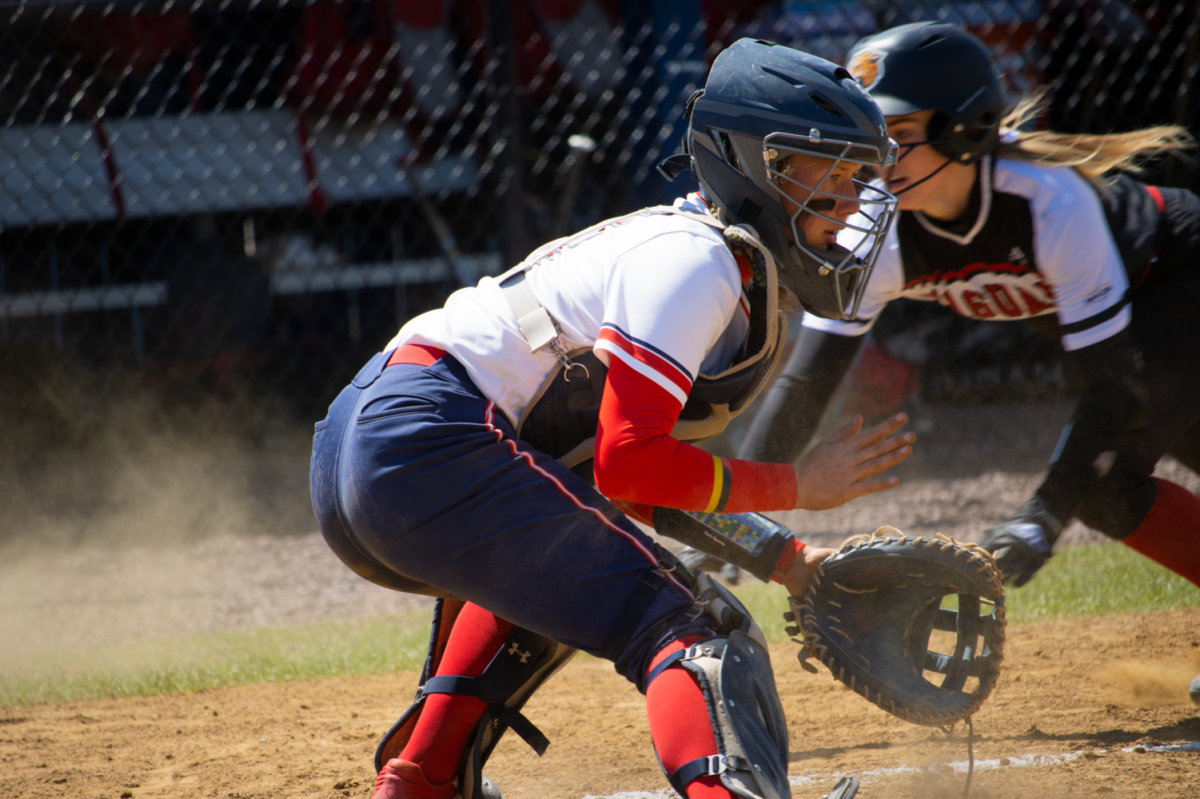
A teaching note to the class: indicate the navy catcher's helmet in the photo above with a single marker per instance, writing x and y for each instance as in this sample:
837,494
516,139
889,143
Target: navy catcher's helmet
935,66
763,103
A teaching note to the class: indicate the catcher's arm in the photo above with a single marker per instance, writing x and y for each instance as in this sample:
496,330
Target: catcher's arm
839,469
749,541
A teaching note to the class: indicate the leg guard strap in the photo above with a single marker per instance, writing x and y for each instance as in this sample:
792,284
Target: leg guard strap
667,662
525,661
445,612
473,686
452,684
710,766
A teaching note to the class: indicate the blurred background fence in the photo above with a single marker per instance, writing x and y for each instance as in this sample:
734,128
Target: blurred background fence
235,203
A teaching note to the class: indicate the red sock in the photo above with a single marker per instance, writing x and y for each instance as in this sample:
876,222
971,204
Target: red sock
1170,533
679,722
447,720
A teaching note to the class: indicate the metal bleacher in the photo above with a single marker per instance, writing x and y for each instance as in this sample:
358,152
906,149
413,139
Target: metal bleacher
202,163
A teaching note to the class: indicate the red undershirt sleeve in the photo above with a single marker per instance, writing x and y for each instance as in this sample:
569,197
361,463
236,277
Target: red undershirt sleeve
638,462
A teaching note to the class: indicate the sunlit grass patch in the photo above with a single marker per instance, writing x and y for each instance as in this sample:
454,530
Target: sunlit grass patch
1099,580
197,662
1093,580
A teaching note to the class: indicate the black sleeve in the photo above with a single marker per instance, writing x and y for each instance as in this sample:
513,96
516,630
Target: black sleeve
749,541
1113,403
793,406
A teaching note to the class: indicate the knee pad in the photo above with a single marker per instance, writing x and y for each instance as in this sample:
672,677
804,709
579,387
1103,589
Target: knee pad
734,674
523,664
1116,505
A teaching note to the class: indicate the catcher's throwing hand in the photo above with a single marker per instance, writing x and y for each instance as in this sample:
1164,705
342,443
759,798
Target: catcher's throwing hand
798,575
843,466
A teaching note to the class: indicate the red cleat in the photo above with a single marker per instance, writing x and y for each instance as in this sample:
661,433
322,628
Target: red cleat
403,779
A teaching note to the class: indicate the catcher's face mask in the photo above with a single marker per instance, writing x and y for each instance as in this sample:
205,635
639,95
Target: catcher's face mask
836,219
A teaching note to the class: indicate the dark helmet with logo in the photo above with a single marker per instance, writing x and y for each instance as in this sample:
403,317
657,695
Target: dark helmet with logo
761,104
940,67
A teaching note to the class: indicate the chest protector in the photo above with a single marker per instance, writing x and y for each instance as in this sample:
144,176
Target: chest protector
561,421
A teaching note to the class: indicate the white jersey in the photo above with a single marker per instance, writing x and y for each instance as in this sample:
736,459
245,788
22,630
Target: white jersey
662,292
1039,244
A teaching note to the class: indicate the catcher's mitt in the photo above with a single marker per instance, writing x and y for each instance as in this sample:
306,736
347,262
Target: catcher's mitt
871,608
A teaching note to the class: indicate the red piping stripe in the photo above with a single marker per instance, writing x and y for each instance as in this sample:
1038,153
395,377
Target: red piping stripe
662,366
1158,198
512,445
1161,205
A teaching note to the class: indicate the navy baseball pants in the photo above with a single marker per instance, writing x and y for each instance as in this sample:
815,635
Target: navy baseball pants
419,484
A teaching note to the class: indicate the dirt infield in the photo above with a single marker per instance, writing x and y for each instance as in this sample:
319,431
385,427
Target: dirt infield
1085,708
1088,707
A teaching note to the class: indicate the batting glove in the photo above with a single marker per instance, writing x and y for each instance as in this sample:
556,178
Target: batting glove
1022,545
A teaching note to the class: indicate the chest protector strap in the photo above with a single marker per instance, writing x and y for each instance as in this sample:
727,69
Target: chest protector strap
561,420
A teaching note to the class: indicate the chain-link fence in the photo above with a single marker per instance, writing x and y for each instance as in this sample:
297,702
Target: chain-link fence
245,199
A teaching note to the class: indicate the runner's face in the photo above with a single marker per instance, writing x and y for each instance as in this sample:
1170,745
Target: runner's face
914,163
819,232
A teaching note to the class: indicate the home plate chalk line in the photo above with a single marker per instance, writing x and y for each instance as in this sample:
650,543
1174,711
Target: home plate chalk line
828,780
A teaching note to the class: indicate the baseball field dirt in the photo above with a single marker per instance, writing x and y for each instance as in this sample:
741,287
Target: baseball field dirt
1085,707
1089,707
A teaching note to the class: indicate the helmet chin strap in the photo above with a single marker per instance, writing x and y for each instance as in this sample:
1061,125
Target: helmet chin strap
908,148
807,256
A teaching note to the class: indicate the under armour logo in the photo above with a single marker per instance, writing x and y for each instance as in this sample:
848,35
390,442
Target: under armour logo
516,650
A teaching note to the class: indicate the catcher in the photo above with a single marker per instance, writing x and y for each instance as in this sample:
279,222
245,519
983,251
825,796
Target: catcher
1000,224
492,454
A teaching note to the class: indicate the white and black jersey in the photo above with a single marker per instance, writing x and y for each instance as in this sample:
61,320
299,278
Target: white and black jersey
1035,240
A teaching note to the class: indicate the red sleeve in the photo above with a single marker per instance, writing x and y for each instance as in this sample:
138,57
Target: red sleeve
637,461
786,559
635,510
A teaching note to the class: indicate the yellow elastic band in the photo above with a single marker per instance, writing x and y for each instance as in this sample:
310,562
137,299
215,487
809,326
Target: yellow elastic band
718,477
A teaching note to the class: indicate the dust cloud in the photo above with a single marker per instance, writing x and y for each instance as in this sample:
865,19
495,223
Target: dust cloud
126,461
160,513
1145,683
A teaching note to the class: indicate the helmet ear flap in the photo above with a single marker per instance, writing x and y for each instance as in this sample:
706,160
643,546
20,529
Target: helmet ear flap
962,142
936,131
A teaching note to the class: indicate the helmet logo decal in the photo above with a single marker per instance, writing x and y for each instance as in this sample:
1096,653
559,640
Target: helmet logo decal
814,135
867,68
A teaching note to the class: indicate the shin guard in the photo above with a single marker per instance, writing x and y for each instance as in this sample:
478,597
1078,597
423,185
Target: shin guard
525,661
733,671
746,716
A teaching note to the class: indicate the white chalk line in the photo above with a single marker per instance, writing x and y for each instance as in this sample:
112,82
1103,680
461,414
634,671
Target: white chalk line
827,780
1190,746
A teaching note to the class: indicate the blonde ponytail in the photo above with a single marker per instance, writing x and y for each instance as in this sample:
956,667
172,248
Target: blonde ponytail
1091,155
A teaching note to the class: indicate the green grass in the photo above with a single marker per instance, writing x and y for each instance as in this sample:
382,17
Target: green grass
194,663
1079,581
1099,580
